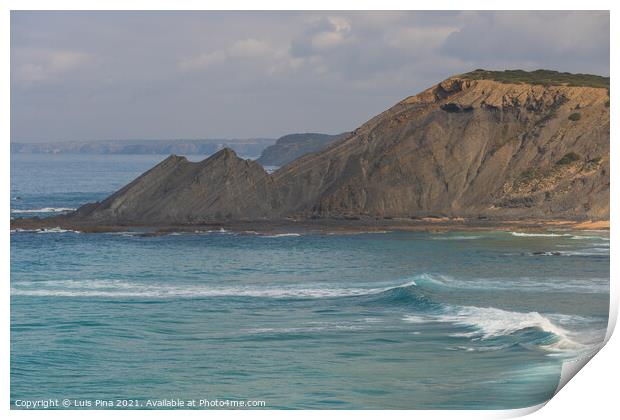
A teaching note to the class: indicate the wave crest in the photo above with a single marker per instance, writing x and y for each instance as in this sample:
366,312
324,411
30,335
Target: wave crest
117,288
489,323
46,230
44,210
533,235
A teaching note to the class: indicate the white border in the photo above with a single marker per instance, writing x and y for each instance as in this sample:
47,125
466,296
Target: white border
593,394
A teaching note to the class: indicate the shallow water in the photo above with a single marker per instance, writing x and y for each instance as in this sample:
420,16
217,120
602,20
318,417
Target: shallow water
394,320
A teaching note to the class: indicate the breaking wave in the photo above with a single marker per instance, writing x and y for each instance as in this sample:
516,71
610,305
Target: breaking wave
410,290
116,288
46,230
492,323
526,234
414,296
44,210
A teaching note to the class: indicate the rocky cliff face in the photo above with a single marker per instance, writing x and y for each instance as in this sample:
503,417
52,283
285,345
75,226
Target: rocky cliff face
290,147
463,148
221,187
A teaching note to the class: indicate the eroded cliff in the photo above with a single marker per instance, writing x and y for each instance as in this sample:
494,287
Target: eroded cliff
466,147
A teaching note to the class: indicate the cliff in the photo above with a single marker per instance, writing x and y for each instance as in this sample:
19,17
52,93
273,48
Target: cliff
465,148
221,187
470,146
290,147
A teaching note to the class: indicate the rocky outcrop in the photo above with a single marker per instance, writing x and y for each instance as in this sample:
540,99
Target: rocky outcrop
221,187
463,148
290,147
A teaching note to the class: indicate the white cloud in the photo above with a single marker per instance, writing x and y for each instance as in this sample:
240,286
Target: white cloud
572,41
277,71
323,34
250,48
202,61
245,49
34,66
419,38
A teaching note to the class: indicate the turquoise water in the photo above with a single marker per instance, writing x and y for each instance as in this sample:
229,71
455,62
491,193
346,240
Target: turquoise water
382,320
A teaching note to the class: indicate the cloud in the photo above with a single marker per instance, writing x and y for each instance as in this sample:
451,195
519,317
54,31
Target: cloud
250,48
322,34
35,66
569,41
419,39
234,74
246,49
203,61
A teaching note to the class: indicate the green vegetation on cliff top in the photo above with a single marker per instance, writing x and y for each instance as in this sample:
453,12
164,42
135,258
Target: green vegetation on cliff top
540,77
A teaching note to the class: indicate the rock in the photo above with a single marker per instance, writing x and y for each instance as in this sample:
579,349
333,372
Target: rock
221,187
290,147
462,148
547,253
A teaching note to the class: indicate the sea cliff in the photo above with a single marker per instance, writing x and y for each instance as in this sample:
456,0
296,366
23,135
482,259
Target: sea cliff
473,147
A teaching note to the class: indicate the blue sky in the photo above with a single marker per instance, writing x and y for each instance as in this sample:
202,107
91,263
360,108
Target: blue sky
113,75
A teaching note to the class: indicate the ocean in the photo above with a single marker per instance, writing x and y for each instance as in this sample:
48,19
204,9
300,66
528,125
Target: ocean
388,320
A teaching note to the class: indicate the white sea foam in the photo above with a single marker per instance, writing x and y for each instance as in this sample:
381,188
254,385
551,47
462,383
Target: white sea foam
57,230
600,238
44,210
281,235
188,292
369,232
304,329
492,322
372,320
456,238
361,232
547,253
526,234
432,280
220,230
118,288
47,230
587,252
416,319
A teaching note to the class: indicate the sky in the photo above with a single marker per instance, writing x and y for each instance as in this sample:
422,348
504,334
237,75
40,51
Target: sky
164,75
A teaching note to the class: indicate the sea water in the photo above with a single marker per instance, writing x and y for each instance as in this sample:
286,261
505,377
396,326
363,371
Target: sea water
459,320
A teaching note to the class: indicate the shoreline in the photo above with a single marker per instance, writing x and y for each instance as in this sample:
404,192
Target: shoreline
309,226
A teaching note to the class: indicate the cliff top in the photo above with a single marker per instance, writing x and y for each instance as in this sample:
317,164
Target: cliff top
539,77
538,89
